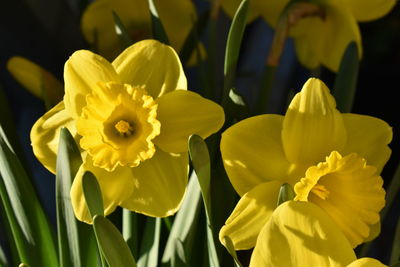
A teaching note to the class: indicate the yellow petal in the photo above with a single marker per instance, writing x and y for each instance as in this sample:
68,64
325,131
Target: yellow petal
177,21
151,64
98,24
45,135
159,184
369,137
327,37
36,79
271,10
183,113
366,262
312,127
250,215
252,152
348,190
366,10
82,71
301,234
116,186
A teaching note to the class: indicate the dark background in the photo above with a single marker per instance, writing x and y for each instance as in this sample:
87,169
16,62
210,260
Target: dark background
48,32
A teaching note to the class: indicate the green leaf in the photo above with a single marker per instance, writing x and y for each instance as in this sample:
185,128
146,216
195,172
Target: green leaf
121,31
112,244
3,258
286,193
185,223
92,193
150,244
68,162
30,228
233,44
130,230
158,29
345,85
200,157
395,254
193,37
179,258
232,251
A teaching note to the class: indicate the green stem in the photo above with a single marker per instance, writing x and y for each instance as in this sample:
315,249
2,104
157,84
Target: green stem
130,230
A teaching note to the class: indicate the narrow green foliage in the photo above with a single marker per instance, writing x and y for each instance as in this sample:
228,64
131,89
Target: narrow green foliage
345,85
121,31
265,89
185,223
112,244
157,26
179,258
3,258
150,244
232,251
192,39
130,230
395,255
286,193
92,192
33,236
233,44
68,162
239,108
199,155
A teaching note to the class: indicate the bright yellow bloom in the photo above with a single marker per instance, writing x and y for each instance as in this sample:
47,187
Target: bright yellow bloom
177,16
321,40
302,234
132,119
339,156
36,79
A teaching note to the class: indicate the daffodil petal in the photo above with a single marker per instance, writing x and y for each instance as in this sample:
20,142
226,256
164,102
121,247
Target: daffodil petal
335,32
301,234
368,137
116,186
177,21
366,10
308,48
159,184
252,152
151,64
82,71
366,262
98,26
183,113
312,126
250,215
36,79
45,135
271,10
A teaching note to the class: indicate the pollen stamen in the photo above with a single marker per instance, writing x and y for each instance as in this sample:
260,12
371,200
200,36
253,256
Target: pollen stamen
320,191
124,128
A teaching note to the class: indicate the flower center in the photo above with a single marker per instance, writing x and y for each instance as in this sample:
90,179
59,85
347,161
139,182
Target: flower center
118,125
124,128
320,191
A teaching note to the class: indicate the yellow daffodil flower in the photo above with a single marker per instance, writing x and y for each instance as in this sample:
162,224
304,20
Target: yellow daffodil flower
321,39
132,119
302,234
36,79
177,16
332,159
